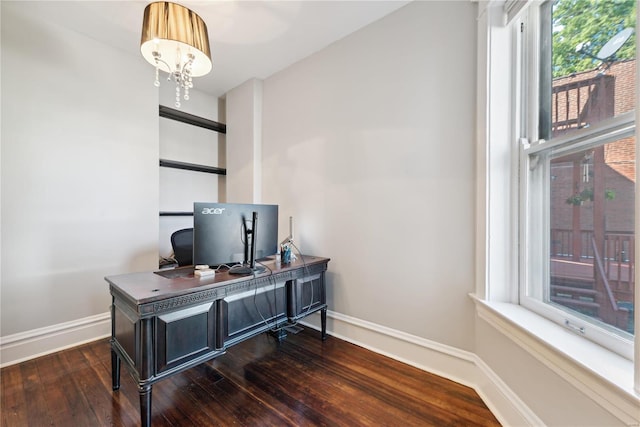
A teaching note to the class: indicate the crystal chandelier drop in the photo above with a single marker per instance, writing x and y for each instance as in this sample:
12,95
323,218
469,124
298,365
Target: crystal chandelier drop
175,40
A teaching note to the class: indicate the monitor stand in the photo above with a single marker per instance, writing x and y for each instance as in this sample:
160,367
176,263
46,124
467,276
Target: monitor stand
245,269
250,266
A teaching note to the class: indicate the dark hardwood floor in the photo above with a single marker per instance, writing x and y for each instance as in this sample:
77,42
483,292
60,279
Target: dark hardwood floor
301,382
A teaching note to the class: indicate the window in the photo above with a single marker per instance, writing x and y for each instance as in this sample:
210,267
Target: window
577,167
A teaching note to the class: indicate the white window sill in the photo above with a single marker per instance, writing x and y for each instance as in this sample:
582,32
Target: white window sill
601,374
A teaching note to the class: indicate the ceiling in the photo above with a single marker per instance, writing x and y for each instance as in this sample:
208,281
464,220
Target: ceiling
249,39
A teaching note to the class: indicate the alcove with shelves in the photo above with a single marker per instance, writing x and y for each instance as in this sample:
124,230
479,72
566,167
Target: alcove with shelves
191,164
190,119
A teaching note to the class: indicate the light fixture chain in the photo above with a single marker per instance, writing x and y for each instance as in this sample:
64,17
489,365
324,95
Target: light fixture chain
177,90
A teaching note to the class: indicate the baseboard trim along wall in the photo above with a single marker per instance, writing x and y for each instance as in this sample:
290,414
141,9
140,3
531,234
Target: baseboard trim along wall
449,362
27,345
457,365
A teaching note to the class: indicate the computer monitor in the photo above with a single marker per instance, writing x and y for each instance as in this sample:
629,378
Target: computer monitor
225,233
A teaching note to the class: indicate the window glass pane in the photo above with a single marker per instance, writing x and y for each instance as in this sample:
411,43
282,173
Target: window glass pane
591,63
591,260
581,183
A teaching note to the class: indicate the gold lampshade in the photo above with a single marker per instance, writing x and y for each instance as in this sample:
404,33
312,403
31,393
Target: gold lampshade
170,34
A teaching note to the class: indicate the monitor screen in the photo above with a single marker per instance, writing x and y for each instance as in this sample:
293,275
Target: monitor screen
220,232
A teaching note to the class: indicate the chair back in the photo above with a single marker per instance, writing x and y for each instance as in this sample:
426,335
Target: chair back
182,243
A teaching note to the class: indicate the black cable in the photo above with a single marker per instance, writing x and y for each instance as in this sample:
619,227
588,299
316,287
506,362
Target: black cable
305,268
277,327
255,292
255,296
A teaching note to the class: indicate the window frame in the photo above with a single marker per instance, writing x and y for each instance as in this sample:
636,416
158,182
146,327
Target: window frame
612,380
528,67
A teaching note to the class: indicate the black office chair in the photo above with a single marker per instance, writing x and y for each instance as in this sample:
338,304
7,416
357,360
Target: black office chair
182,243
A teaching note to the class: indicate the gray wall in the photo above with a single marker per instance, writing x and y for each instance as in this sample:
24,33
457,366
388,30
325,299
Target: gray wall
79,171
369,145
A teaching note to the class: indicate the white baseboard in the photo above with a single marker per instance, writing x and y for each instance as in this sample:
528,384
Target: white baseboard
449,362
23,346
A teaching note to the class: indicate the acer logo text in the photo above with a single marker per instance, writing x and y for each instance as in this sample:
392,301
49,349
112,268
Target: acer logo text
212,211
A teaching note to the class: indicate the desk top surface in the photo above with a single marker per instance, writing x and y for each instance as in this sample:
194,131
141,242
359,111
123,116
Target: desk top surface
147,287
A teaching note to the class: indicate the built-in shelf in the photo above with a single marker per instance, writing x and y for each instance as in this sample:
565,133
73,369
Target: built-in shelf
192,167
171,213
190,119
183,117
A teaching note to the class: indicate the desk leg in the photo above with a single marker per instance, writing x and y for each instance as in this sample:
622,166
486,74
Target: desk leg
115,371
323,321
145,405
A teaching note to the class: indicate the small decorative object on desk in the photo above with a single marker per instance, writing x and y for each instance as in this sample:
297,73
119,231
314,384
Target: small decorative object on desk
285,254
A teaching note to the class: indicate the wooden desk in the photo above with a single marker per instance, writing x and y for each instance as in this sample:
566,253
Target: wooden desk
167,321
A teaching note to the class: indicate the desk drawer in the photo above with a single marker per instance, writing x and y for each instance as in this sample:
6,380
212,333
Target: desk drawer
250,312
185,334
305,296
